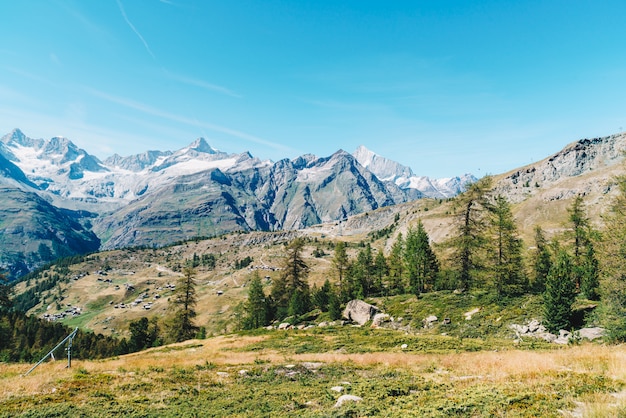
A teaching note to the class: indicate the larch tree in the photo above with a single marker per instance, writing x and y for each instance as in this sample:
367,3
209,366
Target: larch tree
420,261
613,264
291,290
380,271
541,261
560,293
341,263
473,209
508,268
6,291
256,309
183,305
395,262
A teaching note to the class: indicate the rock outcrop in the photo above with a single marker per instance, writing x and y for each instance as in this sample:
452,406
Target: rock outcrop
359,311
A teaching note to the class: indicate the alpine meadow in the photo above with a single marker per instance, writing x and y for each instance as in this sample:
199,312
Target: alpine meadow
312,209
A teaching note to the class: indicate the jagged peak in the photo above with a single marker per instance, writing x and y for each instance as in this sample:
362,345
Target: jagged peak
364,155
200,145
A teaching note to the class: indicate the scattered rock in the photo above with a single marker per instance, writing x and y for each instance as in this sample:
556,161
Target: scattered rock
312,365
359,311
563,337
379,318
468,315
285,325
347,398
337,389
243,372
404,346
222,374
429,321
322,324
534,325
592,333
534,329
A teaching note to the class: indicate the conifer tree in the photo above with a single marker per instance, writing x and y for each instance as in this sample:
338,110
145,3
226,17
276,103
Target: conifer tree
292,279
256,308
508,268
581,233
421,264
613,271
5,293
542,261
559,294
395,282
470,238
364,270
590,274
334,306
321,296
341,263
183,304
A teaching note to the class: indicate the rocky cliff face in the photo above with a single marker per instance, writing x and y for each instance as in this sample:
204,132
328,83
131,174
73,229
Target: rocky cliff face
584,158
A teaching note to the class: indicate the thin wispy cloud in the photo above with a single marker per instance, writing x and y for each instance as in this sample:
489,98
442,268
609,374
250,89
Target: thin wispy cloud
203,84
134,29
141,107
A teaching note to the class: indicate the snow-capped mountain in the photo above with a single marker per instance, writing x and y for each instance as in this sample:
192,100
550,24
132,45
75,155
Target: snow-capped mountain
84,182
159,197
391,171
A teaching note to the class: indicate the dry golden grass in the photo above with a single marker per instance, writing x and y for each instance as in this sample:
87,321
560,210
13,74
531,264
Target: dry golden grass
224,351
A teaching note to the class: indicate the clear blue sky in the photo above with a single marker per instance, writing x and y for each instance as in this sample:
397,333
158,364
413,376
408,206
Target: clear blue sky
445,87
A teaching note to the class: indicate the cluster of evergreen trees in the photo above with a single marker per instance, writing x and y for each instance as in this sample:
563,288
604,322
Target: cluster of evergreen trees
485,252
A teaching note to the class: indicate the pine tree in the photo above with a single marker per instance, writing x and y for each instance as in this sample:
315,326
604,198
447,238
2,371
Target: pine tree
334,306
508,267
321,296
542,261
421,264
395,263
380,272
182,304
471,238
613,255
5,293
138,334
580,232
292,279
341,261
256,305
590,274
560,294
364,270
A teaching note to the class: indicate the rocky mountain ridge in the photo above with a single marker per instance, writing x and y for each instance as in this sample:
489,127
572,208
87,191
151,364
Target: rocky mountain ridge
156,198
159,197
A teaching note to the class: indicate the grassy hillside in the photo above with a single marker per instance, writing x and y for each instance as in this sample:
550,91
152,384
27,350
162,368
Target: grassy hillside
300,373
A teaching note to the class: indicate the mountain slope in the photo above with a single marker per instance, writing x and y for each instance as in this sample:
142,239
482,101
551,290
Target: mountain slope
33,232
402,176
286,195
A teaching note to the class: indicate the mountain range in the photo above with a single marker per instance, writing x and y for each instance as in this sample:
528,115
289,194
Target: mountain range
60,200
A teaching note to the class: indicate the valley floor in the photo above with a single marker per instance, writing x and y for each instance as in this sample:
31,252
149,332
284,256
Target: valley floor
304,373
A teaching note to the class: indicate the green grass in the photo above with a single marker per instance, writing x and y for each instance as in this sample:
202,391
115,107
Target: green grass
284,391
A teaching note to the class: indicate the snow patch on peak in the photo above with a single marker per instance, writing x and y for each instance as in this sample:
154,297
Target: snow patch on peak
390,171
200,145
364,156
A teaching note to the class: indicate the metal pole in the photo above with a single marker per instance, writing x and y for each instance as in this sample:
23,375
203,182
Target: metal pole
69,337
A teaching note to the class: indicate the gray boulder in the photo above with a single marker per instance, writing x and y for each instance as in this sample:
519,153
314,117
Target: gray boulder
347,398
592,333
379,318
359,312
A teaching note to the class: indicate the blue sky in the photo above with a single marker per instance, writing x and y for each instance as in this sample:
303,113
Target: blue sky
445,87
